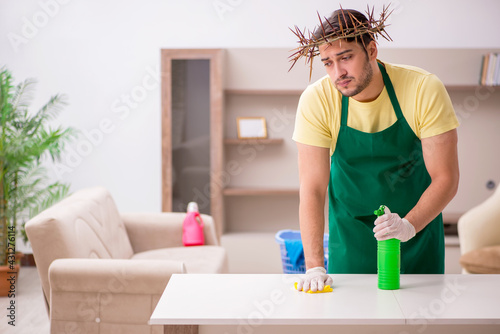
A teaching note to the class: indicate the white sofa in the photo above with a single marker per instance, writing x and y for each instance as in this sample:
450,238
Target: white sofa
103,271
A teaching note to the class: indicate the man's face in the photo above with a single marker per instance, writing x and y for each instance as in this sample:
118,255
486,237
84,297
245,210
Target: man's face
347,66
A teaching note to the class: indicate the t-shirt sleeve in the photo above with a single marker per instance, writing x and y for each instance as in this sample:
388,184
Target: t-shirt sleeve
436,114
311,121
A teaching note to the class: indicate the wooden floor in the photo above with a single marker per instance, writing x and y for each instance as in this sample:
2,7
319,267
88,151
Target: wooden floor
30,311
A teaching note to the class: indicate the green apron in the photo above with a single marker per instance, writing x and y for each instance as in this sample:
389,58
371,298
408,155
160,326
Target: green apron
371,169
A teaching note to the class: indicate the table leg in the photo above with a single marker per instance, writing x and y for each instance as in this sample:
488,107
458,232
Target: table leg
180,329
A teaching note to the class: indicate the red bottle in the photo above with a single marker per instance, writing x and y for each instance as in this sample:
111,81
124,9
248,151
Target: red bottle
192,228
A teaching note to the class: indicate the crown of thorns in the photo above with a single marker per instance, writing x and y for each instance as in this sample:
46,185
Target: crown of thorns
309,45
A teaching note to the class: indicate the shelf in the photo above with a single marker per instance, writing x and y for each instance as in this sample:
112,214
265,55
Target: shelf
259,191
263,141
290,92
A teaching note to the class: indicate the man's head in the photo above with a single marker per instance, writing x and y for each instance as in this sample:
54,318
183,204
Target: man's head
348,61
344,25
349,65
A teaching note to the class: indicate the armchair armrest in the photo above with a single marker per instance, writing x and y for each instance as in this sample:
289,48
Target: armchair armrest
112,275
154,230
480,226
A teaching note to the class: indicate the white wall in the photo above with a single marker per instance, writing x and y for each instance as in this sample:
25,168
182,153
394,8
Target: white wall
104,55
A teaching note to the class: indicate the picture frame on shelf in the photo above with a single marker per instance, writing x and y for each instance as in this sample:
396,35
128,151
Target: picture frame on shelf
251,127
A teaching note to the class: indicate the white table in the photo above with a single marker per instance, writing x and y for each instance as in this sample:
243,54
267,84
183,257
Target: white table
260,300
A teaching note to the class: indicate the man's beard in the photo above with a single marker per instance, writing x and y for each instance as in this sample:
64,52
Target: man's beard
364,81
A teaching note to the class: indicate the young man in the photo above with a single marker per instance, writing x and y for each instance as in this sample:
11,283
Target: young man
371,133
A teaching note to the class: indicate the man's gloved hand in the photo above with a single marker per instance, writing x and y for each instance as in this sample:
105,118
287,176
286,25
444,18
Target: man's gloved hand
390,225
314,280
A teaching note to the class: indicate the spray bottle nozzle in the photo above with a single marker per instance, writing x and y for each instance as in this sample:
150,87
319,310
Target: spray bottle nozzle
380,211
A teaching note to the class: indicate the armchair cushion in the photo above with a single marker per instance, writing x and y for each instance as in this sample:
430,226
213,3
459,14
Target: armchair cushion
484,260
197,259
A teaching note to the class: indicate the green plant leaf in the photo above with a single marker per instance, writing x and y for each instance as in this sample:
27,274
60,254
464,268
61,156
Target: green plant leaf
25,140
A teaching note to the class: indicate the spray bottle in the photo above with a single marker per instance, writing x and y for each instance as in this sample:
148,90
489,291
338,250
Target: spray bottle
388,260
192,228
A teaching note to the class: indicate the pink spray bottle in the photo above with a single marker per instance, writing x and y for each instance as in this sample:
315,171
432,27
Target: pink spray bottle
192,228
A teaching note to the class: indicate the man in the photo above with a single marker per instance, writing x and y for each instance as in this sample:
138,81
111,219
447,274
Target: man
371,133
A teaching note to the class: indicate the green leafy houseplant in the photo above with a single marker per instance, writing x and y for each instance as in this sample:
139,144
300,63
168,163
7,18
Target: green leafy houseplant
25,139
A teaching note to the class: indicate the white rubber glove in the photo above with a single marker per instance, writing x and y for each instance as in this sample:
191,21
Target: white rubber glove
390,225
314,280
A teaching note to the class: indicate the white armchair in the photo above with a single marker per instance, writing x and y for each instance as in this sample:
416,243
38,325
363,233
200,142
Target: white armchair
479,235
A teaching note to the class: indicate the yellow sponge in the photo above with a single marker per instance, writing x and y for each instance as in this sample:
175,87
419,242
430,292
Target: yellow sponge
327,288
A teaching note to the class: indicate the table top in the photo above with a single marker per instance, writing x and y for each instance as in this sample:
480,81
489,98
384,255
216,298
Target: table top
232,299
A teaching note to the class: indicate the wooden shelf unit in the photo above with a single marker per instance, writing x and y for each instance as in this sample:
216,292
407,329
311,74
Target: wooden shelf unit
257,81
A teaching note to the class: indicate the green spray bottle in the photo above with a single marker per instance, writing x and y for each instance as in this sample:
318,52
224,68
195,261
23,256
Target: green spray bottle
388,260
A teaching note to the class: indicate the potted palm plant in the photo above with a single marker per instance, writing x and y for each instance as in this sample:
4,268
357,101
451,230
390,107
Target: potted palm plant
26,138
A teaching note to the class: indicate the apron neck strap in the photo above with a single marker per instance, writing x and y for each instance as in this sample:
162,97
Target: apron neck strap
390,91
345,108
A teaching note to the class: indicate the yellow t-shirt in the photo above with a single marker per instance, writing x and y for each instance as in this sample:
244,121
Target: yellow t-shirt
424,101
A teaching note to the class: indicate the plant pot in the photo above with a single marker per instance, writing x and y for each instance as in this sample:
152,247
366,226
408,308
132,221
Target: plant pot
8,280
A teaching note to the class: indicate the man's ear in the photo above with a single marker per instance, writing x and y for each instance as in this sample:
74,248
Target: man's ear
372,50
